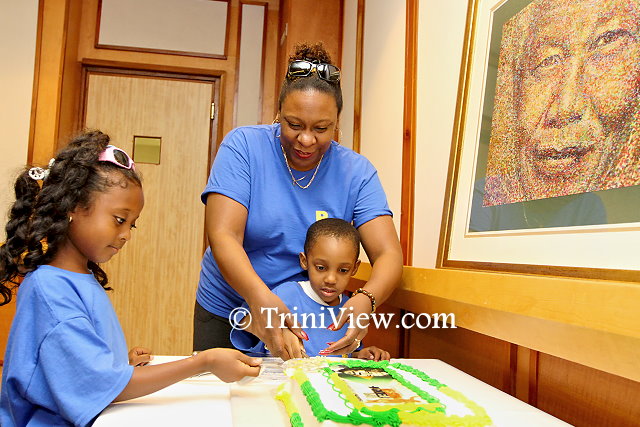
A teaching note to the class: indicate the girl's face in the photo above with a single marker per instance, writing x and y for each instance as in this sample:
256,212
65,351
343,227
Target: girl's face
99,232
308,120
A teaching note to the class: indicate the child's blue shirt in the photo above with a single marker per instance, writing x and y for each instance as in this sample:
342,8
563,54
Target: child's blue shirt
307,308
66,357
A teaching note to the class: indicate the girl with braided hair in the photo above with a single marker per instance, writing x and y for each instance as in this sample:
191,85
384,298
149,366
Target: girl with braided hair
66,357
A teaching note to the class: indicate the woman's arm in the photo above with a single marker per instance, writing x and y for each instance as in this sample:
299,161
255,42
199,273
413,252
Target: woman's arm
226,220
382,246
380,242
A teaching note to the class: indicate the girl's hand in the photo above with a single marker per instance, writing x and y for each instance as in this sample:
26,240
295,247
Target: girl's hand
139,356
356,311
268,320
229,365
372,353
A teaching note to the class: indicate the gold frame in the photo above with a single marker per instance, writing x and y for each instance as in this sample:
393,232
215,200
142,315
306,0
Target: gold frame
453,198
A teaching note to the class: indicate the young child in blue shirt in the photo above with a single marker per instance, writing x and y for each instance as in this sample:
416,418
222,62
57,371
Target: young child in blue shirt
66,356
330,258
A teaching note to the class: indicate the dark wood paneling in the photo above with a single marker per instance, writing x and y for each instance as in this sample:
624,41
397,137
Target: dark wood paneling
486,358
389,339
585,396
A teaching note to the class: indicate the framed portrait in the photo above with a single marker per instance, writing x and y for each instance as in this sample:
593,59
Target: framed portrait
545,169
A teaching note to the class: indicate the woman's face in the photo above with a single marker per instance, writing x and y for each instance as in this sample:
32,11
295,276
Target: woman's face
308,119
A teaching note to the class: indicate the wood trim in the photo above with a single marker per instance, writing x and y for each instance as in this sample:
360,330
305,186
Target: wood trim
161,51
338,60
534,358
49,76
590,322
409,132
161,68
223,56
547,270
357,96
36,83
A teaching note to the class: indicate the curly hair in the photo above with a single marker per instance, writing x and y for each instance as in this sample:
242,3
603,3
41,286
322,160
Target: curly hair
332,227
38,220
313,53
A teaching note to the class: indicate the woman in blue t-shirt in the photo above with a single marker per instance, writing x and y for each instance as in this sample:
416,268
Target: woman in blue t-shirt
268,184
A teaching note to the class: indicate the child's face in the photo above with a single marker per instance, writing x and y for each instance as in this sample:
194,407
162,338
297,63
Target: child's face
98,232
330,263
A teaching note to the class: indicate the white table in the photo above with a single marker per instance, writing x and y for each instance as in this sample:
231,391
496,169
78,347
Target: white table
206,400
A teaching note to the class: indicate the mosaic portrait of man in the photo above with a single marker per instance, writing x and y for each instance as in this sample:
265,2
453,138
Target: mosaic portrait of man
566,105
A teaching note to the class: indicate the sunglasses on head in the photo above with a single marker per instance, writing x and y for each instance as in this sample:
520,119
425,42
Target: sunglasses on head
122,159
303,68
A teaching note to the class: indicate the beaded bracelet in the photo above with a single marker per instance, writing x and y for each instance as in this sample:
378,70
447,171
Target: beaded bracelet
368,294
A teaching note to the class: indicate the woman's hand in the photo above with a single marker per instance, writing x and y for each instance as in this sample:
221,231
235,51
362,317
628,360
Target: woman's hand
356,311
139,356
269,318
372,353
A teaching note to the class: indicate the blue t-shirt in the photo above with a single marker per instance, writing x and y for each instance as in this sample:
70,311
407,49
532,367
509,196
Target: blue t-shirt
66,357
312,316
250,169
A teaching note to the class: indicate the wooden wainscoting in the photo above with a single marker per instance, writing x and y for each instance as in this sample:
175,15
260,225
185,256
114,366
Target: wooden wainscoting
486,358
390,339
584,396
570,347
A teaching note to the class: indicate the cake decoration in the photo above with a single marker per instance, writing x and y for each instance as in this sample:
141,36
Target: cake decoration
363,392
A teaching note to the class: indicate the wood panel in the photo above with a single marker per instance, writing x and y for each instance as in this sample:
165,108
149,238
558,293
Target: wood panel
483,357
590,322
6,317
389,339
156,275
586,397
409,137
325,28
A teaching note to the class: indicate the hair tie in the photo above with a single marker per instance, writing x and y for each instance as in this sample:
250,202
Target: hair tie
39,174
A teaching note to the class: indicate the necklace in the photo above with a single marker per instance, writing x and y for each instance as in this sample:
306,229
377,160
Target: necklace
296,181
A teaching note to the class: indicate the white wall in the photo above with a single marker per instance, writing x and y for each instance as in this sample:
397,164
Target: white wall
18,24
440,39
383,94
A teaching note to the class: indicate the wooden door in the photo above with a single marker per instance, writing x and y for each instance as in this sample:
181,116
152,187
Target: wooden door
155,276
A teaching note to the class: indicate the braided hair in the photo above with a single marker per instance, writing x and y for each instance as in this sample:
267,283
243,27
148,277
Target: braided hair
38,220
313,53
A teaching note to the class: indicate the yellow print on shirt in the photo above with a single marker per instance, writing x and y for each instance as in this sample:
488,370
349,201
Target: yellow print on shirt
321,215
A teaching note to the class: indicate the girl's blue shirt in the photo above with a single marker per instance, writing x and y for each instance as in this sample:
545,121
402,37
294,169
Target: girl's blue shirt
66,357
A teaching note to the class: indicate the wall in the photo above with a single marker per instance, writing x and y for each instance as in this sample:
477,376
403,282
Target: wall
18,23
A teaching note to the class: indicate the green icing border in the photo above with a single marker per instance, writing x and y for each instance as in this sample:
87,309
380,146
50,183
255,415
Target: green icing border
386,417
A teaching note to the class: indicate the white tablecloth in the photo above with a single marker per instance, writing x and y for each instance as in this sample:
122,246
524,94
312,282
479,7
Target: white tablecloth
206,400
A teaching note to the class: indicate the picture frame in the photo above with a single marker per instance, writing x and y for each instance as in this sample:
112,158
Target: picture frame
572,244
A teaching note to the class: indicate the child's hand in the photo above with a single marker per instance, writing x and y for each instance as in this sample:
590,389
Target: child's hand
139,356
230,365
293,346
372,353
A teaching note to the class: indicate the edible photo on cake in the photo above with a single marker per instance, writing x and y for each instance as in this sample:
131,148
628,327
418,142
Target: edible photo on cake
375,385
